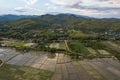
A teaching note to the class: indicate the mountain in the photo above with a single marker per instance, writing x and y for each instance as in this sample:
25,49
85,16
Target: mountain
65,21
25,27
16,17
68,14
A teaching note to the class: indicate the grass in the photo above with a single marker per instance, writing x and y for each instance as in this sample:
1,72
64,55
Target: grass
58,45
78,47
18,44
62,45
21,44
79,34
11,72
54,45
117,42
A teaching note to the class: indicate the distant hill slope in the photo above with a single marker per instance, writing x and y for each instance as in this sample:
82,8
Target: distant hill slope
67,21
16,17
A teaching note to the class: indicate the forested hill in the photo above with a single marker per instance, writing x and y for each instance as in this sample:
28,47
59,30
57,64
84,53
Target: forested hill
65,21
9,17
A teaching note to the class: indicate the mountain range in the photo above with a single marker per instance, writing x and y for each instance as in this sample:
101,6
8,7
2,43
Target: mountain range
66,21
16,17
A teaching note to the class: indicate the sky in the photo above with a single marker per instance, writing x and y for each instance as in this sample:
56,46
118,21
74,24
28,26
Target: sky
92,8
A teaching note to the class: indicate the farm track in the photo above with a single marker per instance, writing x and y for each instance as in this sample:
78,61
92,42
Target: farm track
67,46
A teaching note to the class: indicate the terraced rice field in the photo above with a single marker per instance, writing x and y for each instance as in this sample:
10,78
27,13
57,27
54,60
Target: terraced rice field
66,69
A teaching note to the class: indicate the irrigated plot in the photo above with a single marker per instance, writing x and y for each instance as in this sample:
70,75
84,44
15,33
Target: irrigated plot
106,70
20,59
91,71
81,72
66,69
7,54
112,62
49,64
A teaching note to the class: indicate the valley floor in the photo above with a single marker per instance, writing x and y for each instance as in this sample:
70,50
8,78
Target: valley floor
64,68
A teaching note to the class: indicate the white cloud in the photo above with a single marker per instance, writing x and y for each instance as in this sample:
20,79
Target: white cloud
50,6
30,2
20,9
47,4
91,7
28,9
65,2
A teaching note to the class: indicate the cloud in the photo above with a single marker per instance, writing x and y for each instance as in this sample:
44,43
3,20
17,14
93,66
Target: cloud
50,6
98,7
30,2
65,2
28,9
20,9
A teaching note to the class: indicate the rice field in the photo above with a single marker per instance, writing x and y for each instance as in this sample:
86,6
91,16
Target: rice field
112,46
104,52
12,72
92,51
21,44
60,45
54,45
39,65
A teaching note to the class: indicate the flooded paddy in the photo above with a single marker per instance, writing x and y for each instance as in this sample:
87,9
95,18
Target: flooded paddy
63,67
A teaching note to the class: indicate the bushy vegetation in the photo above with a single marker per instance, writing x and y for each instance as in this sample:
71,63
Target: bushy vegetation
77,47
80,35
93,44
18,44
